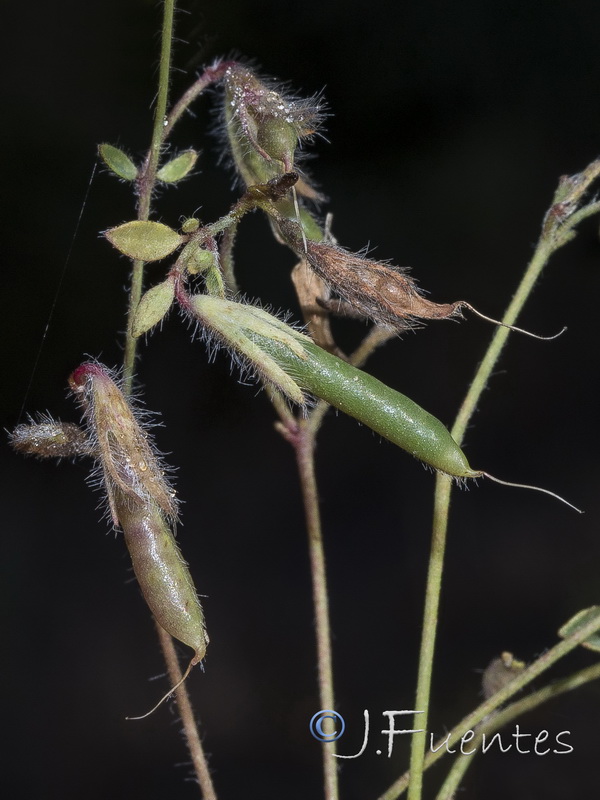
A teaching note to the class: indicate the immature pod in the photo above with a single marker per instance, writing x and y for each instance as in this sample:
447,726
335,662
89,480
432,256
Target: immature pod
264,127
274,349
142,503
391,414
291,362
162,574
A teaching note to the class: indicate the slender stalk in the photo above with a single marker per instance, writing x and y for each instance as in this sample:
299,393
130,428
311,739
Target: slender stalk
210,75
190,728
442,507
554,235
507,715
428,635
533,671
536,265
304,448
302,436
147,182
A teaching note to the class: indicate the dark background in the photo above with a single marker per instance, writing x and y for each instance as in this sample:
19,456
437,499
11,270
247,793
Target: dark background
451,123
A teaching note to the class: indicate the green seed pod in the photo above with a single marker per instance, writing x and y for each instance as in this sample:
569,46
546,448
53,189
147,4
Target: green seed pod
386,411
142,503
291,362
162,574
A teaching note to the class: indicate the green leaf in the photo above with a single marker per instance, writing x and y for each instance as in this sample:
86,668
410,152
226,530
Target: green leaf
152,307
177,168
118,162
578,621
146,241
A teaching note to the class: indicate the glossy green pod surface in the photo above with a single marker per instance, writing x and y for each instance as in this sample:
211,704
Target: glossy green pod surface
360,395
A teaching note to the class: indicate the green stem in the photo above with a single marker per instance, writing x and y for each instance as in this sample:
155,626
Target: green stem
507,715
551,240
442,507
146,184
542,253
518,683
430,619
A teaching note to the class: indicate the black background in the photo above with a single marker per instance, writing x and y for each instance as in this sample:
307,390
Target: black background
451,123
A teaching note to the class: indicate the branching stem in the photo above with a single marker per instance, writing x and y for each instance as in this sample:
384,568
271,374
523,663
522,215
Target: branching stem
471,721
553,237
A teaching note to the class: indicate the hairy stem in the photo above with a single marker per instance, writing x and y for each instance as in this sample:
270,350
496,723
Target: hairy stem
302,436
146,185
442,507
554,236
209,76
518,683
304,448
190,728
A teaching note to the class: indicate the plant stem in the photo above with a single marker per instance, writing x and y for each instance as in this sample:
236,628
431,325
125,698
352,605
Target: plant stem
553,237
533,671
514,711
442,506
304,447
210,75
187,716
430,618
146,183
302,436
538,262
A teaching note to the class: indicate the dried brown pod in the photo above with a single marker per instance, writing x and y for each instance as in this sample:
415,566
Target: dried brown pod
383,293
313,294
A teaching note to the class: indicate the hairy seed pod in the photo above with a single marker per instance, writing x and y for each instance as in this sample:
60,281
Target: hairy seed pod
162,574
382,293
293,364
142,504
50,438
129,463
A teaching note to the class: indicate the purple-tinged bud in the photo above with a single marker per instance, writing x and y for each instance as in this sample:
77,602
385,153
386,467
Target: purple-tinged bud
265,127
